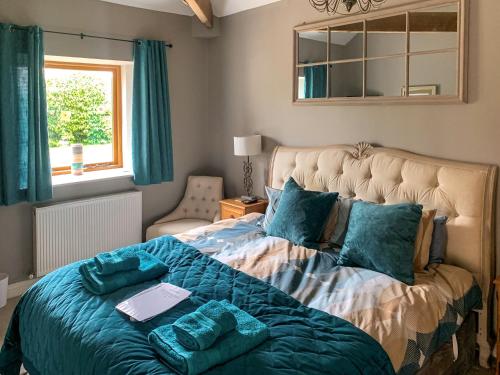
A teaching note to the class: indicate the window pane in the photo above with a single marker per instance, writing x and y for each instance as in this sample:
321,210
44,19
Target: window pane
385,77
433,74
312,46
80,110
346,80
434,28
386,36
346,42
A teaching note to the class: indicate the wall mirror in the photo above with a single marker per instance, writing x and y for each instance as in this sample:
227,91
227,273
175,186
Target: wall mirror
411,53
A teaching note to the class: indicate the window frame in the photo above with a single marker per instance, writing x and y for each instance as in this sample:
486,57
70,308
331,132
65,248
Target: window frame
117,161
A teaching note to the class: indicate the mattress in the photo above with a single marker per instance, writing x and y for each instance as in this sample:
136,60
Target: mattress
410,322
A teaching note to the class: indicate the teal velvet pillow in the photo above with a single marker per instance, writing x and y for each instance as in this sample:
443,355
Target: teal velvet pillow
301,215
382,238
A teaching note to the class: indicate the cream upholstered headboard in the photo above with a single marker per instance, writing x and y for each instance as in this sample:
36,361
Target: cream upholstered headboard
464,192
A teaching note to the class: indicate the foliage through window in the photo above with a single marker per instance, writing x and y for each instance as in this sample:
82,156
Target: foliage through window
84,106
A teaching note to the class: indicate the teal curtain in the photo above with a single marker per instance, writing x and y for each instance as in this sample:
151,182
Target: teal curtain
25,173
151,129
315,81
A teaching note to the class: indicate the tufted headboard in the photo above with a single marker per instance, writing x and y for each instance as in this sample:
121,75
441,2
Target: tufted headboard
464,192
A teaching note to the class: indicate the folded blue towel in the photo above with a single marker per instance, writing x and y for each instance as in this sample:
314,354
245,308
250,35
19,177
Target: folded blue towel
150,268
116,261
195,331
219,313
248,334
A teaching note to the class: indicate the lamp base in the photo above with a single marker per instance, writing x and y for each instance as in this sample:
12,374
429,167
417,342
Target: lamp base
249,199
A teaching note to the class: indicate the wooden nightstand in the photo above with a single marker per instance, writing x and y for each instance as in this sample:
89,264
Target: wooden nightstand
497,287
234,208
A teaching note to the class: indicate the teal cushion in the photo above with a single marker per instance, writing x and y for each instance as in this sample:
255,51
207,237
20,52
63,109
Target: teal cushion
382,238
301,215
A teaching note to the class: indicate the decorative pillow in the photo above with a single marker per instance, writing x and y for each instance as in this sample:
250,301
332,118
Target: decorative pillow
423,240
382,238
301,215
340,230
331,223
273,196
439,240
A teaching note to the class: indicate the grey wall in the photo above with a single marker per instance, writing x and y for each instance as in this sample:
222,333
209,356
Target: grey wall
251,72
188,89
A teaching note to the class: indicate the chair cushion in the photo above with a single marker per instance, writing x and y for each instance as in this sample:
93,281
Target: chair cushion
174,227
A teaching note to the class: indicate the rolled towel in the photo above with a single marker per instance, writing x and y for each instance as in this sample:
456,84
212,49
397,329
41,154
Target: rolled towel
219,313
195,331
248,334
116,261
150,268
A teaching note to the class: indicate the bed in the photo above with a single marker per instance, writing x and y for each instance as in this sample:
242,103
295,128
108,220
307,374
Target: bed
465,192
320,314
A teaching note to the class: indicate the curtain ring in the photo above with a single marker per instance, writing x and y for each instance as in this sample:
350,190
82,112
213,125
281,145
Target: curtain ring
82,35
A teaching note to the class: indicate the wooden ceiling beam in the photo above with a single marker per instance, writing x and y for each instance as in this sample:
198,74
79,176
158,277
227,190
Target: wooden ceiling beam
203,10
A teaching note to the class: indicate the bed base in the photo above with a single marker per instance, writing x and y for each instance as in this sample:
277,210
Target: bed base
442,361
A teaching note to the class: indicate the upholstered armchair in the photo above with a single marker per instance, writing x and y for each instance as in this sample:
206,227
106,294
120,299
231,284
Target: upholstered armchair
199,207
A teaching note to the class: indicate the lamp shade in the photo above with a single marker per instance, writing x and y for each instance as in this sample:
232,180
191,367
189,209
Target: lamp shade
248,146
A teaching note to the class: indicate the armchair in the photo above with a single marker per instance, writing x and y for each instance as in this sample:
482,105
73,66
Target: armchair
199,207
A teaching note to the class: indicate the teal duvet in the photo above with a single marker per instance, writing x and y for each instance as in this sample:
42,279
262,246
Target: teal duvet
60,328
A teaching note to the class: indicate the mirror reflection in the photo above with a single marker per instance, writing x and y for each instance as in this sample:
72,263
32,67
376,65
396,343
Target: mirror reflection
346,42
312,82
415,53
346,80
435,72
385,77
312,46
386,36
434,28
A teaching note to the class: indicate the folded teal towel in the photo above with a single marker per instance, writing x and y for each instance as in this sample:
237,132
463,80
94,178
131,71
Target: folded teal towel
196,331
248,334
150,268
219,313
116,261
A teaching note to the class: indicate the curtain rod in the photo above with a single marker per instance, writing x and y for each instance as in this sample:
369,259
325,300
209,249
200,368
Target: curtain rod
82,35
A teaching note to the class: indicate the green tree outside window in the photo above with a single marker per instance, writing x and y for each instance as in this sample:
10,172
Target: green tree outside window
78,111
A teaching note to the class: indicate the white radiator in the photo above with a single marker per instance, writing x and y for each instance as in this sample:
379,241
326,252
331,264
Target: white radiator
71,231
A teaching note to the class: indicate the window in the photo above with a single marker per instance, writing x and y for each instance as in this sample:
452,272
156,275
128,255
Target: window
84,106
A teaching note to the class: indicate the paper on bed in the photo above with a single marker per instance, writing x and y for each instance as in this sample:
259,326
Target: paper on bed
153,301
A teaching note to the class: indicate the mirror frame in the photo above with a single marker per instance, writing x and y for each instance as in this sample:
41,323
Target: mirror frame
461,49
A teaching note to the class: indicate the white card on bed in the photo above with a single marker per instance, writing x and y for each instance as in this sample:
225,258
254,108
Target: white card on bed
152,301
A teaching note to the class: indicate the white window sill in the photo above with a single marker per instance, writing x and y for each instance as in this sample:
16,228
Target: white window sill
108,174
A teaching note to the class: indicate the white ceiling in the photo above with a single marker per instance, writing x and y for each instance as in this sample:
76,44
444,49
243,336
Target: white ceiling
221,7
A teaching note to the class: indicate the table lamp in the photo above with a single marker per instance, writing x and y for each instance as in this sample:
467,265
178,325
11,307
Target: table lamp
248,146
